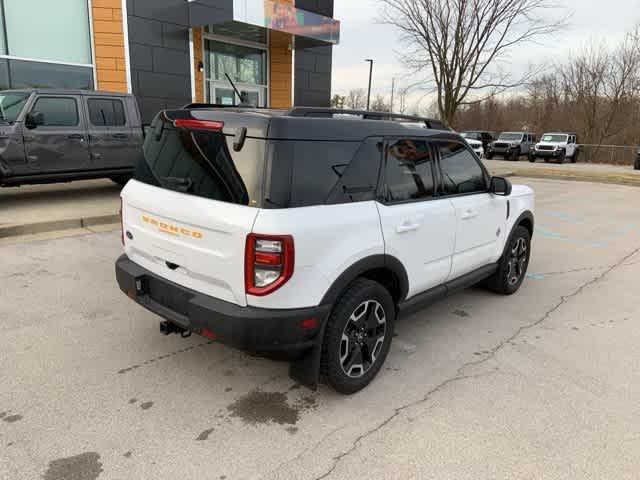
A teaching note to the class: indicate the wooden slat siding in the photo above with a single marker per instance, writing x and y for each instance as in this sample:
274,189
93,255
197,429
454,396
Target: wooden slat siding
197,58
280,68
280,65
109,43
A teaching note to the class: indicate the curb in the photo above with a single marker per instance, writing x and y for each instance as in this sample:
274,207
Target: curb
616,179
57,225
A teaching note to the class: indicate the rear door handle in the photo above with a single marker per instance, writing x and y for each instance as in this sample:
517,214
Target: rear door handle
121,136
407,226
76,136
469,214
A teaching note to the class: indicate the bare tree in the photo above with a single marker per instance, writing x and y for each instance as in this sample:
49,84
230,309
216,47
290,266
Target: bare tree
337,101
356,99
380,104
461,44
402,98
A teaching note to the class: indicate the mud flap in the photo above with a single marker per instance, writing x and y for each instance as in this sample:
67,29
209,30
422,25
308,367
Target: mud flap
306,368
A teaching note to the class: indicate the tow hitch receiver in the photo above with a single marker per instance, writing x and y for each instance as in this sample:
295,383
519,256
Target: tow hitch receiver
168,328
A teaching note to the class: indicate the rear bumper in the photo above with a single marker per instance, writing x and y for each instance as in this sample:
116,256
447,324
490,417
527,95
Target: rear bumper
261,331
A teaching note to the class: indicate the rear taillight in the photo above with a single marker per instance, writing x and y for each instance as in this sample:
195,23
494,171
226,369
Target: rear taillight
193,124
268,263
121,224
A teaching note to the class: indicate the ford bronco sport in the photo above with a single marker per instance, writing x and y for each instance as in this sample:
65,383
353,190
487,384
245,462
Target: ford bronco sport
303,234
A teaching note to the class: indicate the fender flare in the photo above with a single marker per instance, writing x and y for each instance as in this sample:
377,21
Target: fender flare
526,215
388,262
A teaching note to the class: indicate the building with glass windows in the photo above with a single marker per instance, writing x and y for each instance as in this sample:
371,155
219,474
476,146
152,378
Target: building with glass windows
173,52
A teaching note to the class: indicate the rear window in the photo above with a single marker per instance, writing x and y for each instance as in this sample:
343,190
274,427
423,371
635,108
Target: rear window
106,112
202,163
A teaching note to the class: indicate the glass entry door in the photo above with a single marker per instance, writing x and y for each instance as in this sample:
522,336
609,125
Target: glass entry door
247,67
223,95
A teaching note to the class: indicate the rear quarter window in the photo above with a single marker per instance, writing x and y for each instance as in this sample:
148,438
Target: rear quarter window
304,173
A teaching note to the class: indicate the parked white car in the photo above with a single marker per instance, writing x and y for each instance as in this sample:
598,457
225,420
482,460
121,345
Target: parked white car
300,236
476,146
556,146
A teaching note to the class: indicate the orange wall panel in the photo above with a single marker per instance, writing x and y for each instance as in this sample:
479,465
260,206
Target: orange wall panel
198,56
280,68
109,45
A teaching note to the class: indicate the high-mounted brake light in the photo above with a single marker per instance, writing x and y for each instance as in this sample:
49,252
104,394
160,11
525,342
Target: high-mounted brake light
194,124
268,263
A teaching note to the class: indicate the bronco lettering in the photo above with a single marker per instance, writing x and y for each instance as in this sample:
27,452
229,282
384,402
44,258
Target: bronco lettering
171,229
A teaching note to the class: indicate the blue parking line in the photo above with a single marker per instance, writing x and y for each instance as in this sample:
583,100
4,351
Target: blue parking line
564,216
535,276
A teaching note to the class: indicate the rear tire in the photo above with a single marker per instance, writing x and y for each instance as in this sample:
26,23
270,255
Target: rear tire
636,166
358,336
513,264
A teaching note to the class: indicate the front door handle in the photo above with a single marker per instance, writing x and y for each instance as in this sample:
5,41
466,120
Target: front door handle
407,227
120,136
469,214
76,136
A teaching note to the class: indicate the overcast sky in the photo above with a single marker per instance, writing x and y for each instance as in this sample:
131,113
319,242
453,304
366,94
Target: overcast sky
362,37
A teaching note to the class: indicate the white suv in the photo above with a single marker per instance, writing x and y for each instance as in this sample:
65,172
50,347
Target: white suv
556,146
301,236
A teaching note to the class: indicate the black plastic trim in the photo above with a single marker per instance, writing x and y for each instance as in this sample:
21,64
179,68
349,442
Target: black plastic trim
64,176
362,266
257,330
423,299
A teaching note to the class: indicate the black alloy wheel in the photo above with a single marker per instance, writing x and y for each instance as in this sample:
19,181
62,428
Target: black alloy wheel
362,338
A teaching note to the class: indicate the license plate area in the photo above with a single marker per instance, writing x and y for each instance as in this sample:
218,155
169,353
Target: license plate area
168,296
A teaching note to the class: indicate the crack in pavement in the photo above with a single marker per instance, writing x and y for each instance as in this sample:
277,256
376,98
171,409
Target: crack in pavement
460,376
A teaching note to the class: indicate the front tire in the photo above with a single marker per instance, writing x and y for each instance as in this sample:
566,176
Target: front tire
562,158
515,156
513,264
489,156
532,158
358,336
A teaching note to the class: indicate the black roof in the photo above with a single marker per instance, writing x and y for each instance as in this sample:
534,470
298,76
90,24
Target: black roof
321,124
61,91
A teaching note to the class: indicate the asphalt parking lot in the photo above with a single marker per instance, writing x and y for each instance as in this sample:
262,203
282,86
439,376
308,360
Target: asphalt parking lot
543,384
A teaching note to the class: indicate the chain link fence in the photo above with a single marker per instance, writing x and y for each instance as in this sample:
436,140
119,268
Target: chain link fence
613,154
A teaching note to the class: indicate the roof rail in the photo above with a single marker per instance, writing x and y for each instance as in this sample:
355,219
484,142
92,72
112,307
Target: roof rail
366,114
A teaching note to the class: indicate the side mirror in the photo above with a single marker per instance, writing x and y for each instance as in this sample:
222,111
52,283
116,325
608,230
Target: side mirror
500,186
34,120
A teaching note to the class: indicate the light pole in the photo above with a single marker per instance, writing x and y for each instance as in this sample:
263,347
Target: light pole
370,76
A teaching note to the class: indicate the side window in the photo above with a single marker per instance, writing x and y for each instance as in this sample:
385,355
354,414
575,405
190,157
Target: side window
317,167
409,170
106,112
461,172
58,111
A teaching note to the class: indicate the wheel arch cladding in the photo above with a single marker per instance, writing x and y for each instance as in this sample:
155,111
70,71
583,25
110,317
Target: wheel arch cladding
384,269
525,220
